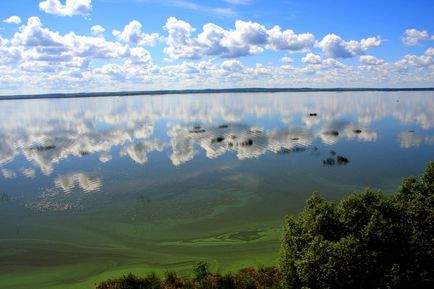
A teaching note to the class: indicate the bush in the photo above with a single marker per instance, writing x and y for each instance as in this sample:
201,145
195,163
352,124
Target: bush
130,281
366,241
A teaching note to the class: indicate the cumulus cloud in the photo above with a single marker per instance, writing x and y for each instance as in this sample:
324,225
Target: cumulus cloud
70,8
286,59
370,60
289,40
97,30
33,34
41,49
38,59
311,58
10,55
13,19
247,38
232,66
414,37
133,33
423,61
335,47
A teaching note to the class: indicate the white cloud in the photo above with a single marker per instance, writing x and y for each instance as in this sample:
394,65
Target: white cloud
139,55
410,60
10,55
40,48
289,40
13,19
133,33
33,34
38,59
311,58
232,66
70,8
413,37
370,60
247,38
286,59
97,30
3,41
335,47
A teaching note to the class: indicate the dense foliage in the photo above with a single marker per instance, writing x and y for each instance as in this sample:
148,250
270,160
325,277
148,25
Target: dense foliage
248,278
366,241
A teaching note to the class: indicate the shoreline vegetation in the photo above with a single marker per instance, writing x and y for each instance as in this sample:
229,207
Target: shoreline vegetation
207,91
367,240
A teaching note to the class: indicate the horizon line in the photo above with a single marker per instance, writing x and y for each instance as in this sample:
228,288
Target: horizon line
205,90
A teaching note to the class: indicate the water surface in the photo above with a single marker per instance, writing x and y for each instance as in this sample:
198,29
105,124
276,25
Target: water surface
92,188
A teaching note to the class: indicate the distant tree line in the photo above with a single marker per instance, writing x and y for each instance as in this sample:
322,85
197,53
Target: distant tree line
366,241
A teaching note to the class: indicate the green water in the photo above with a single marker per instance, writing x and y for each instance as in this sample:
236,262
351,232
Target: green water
94,188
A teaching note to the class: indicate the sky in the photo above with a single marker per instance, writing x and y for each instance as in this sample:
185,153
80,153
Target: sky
49,46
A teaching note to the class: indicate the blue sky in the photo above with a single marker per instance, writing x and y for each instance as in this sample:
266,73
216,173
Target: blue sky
93,45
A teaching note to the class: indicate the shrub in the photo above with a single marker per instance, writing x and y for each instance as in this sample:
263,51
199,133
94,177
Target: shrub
130,281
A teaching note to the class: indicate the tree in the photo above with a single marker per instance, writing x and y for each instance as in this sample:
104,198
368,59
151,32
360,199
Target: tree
365,241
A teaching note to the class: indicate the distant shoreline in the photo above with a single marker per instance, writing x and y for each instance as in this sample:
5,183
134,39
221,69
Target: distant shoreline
201,91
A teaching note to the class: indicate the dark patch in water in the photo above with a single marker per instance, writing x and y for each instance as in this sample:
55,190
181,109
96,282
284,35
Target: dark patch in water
144,200
217,139
331,133
223,126
197,129
328,162
341,160
357,130
247,143
293,150
44,147
313,114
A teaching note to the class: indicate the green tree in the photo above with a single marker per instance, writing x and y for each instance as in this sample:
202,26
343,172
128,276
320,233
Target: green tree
365,241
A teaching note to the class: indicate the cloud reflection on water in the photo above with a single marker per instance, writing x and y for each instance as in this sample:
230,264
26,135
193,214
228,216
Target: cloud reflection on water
46,132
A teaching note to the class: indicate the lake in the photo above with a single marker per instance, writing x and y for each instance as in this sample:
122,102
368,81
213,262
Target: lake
93,188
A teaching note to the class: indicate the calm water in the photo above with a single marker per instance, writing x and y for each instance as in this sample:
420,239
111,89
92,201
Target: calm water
93,188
